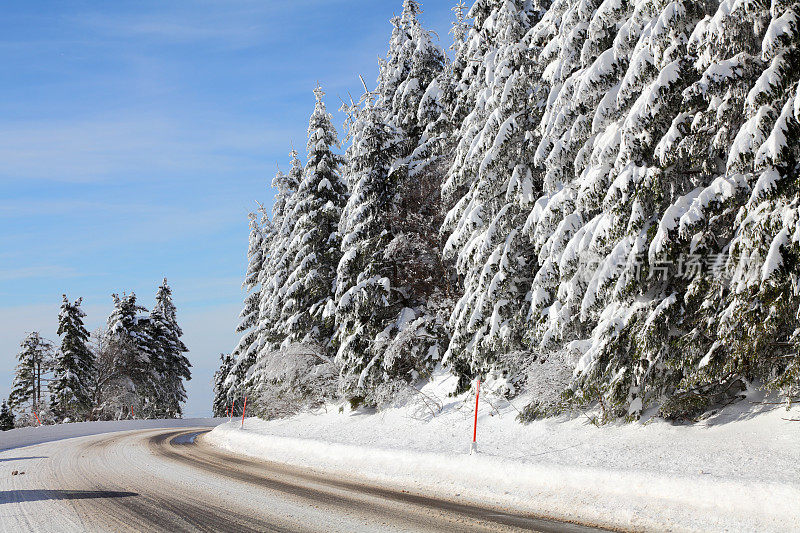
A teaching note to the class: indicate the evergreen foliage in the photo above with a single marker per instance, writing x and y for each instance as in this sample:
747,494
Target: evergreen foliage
364,298
35,360
128,332
244,355
7,418
167,351
221,403
493,171
73,365
596,201
276,272
314,248
390,281
141,364
134,368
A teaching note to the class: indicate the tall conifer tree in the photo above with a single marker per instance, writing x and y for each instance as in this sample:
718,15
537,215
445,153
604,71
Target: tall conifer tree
169,351
139,380
307,313
73,365
494,165
35,359
221,403
246,351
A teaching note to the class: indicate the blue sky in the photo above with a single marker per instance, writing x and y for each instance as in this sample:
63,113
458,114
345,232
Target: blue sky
136,136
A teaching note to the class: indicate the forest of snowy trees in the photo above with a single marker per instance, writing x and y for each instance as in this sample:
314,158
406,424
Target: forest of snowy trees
594,202
133,368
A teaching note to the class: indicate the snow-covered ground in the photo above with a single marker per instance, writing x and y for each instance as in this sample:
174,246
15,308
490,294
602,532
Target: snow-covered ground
738,470
17,438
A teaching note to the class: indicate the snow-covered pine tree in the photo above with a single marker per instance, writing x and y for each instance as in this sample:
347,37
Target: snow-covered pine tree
70,388
615,90
747,57
35,359
765,254
274,273
645,109
288,374
417,63
270,260
137,383
221,402
168,354
365,303
390,277
494,166
415,338
244,355
419,112
7,418
307,314
270,331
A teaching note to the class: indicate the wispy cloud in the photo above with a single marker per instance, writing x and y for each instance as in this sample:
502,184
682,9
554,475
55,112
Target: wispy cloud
227,25
145,231
38,271
184,31
93,150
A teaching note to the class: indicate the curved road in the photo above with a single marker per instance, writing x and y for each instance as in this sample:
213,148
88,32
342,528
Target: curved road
169,480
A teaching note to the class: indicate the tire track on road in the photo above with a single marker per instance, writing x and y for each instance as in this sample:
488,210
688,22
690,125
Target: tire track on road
351,495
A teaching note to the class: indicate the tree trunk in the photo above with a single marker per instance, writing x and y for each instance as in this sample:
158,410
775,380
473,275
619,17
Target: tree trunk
38,386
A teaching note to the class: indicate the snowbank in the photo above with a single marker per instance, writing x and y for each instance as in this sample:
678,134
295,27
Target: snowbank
737,470
17,438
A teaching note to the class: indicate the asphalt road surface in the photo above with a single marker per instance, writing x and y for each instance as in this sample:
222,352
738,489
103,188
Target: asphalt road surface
169,480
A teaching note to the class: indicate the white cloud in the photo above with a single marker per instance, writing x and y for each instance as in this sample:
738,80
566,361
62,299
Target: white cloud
149,145
39,271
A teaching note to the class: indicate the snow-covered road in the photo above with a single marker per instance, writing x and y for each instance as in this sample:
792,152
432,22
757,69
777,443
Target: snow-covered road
170,480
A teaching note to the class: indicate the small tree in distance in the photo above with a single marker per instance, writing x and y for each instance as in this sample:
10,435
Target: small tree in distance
35,359
7,418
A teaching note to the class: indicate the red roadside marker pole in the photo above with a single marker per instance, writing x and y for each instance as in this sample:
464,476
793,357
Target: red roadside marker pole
243,410
37,418
474,447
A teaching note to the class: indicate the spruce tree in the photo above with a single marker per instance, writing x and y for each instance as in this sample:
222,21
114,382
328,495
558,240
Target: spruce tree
662,120
246,350
744,133
307,314
73,366
414,340
365,302
35,359
597,297
7,419
494,166
390,277
221,402
276,272
168,349
139,381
